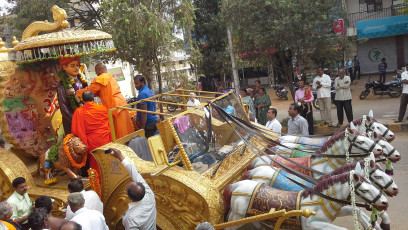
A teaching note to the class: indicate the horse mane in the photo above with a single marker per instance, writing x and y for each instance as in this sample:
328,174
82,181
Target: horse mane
357,122
330,142
326,183
226,197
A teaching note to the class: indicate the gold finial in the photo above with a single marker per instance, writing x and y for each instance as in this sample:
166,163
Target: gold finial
15,41
60,17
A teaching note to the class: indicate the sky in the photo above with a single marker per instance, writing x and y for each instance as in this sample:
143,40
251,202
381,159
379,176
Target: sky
3,3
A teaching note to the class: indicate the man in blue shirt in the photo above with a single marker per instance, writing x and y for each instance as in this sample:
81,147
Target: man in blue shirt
146,121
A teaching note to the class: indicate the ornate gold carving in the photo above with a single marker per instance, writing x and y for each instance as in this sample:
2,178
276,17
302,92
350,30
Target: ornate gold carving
60,17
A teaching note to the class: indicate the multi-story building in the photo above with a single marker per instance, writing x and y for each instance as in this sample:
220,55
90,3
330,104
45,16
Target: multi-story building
381,29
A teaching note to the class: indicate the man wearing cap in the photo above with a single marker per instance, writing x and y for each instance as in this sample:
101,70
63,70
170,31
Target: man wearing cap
193,102
71,80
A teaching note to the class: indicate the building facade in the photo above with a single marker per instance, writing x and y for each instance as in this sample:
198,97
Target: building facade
381,29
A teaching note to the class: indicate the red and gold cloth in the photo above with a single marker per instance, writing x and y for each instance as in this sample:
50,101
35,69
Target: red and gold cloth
303,161
91,123
106,87
264,198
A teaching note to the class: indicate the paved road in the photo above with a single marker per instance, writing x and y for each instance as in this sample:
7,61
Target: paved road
398,205
385,108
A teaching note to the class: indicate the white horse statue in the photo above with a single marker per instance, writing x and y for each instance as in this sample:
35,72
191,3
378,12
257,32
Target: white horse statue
365,124
251,198
273,177
335,146
298,150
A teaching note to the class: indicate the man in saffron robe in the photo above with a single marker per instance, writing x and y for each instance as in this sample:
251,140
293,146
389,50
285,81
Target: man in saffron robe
106,87
91,123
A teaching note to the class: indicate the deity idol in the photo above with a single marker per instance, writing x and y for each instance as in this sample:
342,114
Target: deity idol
71,79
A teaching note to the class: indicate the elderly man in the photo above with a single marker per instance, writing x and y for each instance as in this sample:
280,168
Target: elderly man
343,97
38,219
92,200
87,218
142,211
404,97
273,123
322,85
6,211
297,125
20,202
70,226
106,87
193,101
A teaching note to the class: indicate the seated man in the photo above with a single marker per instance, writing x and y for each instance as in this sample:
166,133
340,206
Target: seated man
142,210
87,218
92,200
45,202
20,202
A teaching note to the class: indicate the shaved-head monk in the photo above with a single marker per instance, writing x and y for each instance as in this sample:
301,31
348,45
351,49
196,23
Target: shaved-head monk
106,87
91,123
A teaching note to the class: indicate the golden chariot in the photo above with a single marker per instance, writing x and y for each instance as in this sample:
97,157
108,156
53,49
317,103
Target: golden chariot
186,193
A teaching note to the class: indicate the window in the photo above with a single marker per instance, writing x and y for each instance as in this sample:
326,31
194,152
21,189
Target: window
371,5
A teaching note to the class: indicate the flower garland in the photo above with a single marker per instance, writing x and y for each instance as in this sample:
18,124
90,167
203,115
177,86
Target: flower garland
68,84
94,181
68,152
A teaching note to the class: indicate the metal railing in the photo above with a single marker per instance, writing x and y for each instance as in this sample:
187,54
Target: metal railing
384,13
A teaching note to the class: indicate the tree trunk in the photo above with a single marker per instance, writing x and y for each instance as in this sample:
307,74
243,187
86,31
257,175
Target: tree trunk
233,61
159,79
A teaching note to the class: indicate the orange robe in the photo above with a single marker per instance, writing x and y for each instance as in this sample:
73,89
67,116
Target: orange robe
106,87
91,123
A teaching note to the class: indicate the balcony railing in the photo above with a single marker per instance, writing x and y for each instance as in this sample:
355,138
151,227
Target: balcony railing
384,13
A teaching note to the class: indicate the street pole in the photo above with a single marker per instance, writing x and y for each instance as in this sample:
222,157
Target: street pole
233,61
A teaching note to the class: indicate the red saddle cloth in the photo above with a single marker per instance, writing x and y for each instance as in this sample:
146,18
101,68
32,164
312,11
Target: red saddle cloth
303,161
264,198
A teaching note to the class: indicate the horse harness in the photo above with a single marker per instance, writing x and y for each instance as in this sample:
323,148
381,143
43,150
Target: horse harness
353,144
368,127
385,187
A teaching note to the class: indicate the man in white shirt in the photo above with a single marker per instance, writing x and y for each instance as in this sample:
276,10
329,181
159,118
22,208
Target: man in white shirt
343,97
142,211
193,102
404,97
273,123
322,85
20,202
92,200
87,218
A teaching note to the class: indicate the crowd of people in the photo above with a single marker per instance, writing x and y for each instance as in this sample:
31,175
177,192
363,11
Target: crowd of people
84,209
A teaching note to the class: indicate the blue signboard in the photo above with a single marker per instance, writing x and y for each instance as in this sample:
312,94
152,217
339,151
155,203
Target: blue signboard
382,27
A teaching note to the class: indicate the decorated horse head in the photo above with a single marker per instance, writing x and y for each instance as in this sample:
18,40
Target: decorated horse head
389,151
371,171
369,123
250,197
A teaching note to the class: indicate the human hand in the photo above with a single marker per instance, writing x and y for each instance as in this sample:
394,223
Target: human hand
71,92
346,82
116,153
318,82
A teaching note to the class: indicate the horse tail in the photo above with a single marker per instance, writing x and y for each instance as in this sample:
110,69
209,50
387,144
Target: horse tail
247,175
226,197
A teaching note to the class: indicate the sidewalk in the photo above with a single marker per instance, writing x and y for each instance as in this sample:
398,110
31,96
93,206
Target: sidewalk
385,108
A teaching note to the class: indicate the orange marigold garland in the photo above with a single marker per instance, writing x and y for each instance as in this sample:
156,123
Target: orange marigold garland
94,181
68,153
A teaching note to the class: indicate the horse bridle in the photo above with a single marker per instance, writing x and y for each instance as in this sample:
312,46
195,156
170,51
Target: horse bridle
356,186
385,187
368,127
353,144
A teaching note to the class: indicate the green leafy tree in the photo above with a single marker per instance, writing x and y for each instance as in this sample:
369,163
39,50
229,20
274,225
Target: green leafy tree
211,37
143,32
293,28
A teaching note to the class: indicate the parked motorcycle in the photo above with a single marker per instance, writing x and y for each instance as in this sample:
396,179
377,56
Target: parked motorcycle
391,88
280,91
131,100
